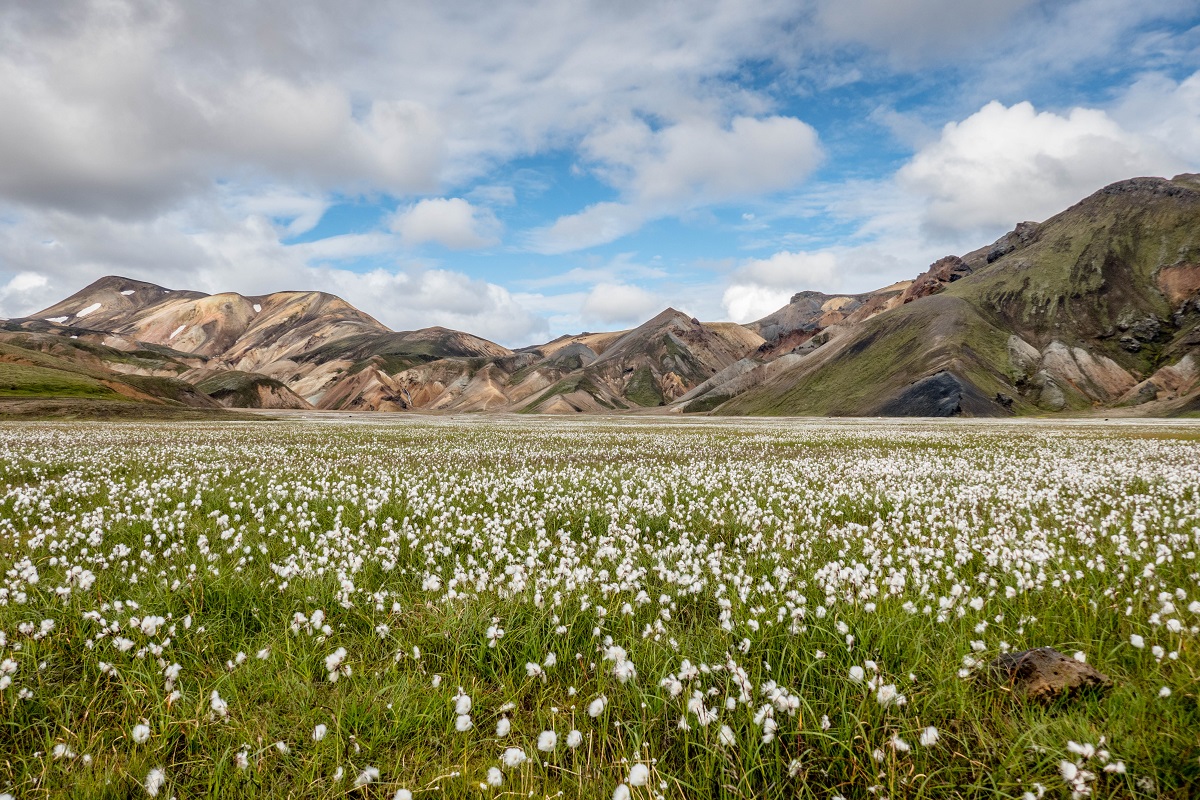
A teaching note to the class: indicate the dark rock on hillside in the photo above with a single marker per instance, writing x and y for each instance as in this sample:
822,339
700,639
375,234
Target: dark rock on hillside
1014,240
938,395
1046,674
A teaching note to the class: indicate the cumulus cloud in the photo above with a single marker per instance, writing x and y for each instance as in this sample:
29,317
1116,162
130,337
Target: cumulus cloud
680,167
911,30
1166,110
451,222
618,303
1004,164
762,285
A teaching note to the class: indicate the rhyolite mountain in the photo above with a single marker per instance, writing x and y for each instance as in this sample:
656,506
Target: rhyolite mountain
1094,309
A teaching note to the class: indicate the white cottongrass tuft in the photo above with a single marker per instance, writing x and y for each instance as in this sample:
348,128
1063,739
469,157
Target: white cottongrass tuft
141,734
546,741
929,737
1137,641
319,732
639,775
574,739
368,775
513,757
596,707
154,781
503,726
856,674
494,776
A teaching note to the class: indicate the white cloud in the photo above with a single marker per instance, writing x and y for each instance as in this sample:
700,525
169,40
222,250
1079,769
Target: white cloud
597,224
451,222
762,285
1002,165
25,290
123,106
680,167
1167,111
916,30
618,303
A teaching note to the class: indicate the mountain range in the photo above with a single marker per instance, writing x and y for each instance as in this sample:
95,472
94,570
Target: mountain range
1095,310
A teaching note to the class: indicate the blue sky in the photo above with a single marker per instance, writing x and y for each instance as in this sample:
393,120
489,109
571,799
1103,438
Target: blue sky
524,170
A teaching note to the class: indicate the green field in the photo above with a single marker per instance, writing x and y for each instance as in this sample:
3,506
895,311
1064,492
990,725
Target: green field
297,609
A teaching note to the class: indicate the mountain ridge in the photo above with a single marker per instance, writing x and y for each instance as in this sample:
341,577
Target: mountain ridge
1094,309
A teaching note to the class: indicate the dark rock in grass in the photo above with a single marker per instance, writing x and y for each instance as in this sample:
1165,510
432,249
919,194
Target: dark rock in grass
1046,674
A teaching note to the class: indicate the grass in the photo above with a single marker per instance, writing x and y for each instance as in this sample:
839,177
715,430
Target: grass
24,380
715,535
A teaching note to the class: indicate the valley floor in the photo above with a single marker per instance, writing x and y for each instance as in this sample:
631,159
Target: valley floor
370,605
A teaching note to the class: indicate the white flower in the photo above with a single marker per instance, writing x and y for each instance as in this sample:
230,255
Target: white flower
888,696
282,748
1164,692
402,794
462,704
596,707
929,737
513,757
503,726
242,759
574,739
154,781
546,741
899,745
462,723
1137,641
494,776
624,670
319,732
639,775
219,706
141,734
725,736
368,775
621,792
856,674
534,670
1068,770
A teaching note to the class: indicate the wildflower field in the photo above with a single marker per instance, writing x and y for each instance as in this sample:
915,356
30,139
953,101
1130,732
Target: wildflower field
598,609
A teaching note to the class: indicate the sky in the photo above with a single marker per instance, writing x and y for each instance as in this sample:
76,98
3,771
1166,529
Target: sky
521,170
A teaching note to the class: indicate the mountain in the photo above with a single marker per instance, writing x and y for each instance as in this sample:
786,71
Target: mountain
1096,309
297,350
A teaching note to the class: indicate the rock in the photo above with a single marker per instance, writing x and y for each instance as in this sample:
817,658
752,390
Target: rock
1012,241
1050,396
1004,400
938,395
1023,358
1046,674
940,273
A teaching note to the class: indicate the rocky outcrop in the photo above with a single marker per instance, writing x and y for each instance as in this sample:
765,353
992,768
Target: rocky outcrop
1045,674
940,274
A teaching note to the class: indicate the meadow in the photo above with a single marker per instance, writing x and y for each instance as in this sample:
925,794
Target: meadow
594,609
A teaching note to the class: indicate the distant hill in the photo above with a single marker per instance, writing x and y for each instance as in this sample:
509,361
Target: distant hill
1097,309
